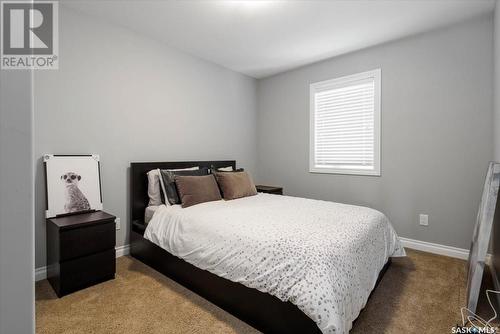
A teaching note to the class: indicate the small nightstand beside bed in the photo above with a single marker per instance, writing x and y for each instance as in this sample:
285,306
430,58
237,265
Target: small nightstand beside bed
80,251
282,264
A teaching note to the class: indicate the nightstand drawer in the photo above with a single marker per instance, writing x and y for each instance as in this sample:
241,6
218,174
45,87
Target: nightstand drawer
87,240
86,271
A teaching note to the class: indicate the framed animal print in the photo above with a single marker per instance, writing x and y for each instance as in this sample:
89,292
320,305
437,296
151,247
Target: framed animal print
73,184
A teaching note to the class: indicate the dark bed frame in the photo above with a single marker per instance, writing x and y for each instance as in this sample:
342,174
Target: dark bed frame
261,310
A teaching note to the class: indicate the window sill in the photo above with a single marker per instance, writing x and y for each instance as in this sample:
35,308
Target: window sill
345,171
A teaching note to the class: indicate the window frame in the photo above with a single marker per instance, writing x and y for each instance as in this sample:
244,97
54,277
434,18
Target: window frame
338,83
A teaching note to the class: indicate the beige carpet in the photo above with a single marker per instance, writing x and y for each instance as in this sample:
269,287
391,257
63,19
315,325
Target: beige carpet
421,293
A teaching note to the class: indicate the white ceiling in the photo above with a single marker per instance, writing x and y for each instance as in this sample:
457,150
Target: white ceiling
262,38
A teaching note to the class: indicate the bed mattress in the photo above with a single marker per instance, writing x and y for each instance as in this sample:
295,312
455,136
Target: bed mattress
322,256
149,212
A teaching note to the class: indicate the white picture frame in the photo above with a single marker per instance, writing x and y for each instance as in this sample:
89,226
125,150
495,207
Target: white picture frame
73,184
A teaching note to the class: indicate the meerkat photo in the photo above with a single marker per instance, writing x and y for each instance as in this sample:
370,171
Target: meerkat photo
75,199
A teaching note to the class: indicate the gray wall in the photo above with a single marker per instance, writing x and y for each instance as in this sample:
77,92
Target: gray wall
129,98
17,295
437,132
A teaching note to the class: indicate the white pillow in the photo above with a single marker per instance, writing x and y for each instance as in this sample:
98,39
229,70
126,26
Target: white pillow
154,184
225,169
154,187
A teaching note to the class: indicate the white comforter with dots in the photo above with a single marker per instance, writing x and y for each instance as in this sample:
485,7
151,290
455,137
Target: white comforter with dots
322,256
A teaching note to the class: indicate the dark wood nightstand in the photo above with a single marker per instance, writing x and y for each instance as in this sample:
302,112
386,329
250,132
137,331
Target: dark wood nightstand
80,251
270,189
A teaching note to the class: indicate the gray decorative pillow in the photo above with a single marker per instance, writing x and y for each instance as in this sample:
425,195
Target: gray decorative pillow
168,177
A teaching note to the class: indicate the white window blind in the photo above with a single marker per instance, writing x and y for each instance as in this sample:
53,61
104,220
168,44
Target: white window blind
345,125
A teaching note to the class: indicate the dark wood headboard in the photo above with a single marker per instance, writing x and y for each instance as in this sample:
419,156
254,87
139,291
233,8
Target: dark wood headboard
139,182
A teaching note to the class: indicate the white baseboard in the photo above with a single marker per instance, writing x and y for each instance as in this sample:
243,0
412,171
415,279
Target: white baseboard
429,247
122,250
41,273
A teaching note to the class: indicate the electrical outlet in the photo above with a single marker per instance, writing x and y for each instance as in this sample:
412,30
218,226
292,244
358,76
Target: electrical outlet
424,220
117,222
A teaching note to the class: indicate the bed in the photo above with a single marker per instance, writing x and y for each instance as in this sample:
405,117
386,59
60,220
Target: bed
282,264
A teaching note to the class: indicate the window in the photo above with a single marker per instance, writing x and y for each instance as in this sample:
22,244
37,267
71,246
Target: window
345,125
